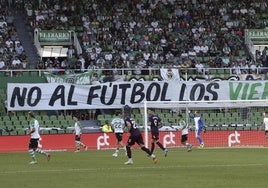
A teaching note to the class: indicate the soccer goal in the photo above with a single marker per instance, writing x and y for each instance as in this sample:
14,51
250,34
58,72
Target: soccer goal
228,123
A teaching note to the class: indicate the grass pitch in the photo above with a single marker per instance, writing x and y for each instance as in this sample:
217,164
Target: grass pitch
205,168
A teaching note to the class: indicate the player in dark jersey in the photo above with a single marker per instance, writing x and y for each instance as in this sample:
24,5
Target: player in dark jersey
154,121
135,136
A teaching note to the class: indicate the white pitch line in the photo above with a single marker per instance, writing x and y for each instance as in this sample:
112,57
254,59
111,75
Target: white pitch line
131,168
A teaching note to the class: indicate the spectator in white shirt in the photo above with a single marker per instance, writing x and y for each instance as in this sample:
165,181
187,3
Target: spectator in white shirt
199,67
3,23
9,42
63,18
108,57
146,55
2,64
204,49
82,60
39,17
197,49
192,54
16,62
243,10
236,69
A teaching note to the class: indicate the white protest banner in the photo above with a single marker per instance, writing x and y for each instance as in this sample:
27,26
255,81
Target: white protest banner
56,96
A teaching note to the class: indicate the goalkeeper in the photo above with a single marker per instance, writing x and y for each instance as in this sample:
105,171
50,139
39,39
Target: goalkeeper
199,125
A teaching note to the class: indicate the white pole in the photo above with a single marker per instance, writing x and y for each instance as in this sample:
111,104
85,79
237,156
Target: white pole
145,125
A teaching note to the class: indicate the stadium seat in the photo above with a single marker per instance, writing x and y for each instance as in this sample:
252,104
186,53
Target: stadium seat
53,118
45,118
6,118
38,117
69,120
10,128
61,117
13,118
24,123
21,118
16,123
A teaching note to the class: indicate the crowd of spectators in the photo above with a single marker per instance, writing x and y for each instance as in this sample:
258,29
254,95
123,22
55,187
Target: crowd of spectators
12,54
142,34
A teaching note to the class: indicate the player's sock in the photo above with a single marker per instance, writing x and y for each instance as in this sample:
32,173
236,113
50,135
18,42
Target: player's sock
77,145
31,152
41,152
128,152
160,145
146,150
82,144
200,141
152,147
125,148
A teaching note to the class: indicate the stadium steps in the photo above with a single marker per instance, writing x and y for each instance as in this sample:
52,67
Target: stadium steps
26,39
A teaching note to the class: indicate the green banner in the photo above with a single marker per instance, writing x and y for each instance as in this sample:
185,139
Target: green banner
258,34
81,79
54,37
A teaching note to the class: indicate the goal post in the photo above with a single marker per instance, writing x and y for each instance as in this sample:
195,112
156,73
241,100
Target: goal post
231,116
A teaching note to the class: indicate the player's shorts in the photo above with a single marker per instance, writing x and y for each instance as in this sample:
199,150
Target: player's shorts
119,136
77,138
184,138
135,139
155,136
33,143
266,132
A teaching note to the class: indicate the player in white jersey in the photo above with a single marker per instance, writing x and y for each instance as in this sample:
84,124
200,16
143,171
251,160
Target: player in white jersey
33,131
265,123
184,133
78,133
118,125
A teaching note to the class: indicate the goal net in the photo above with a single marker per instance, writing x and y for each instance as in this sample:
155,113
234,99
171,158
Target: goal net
227,123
